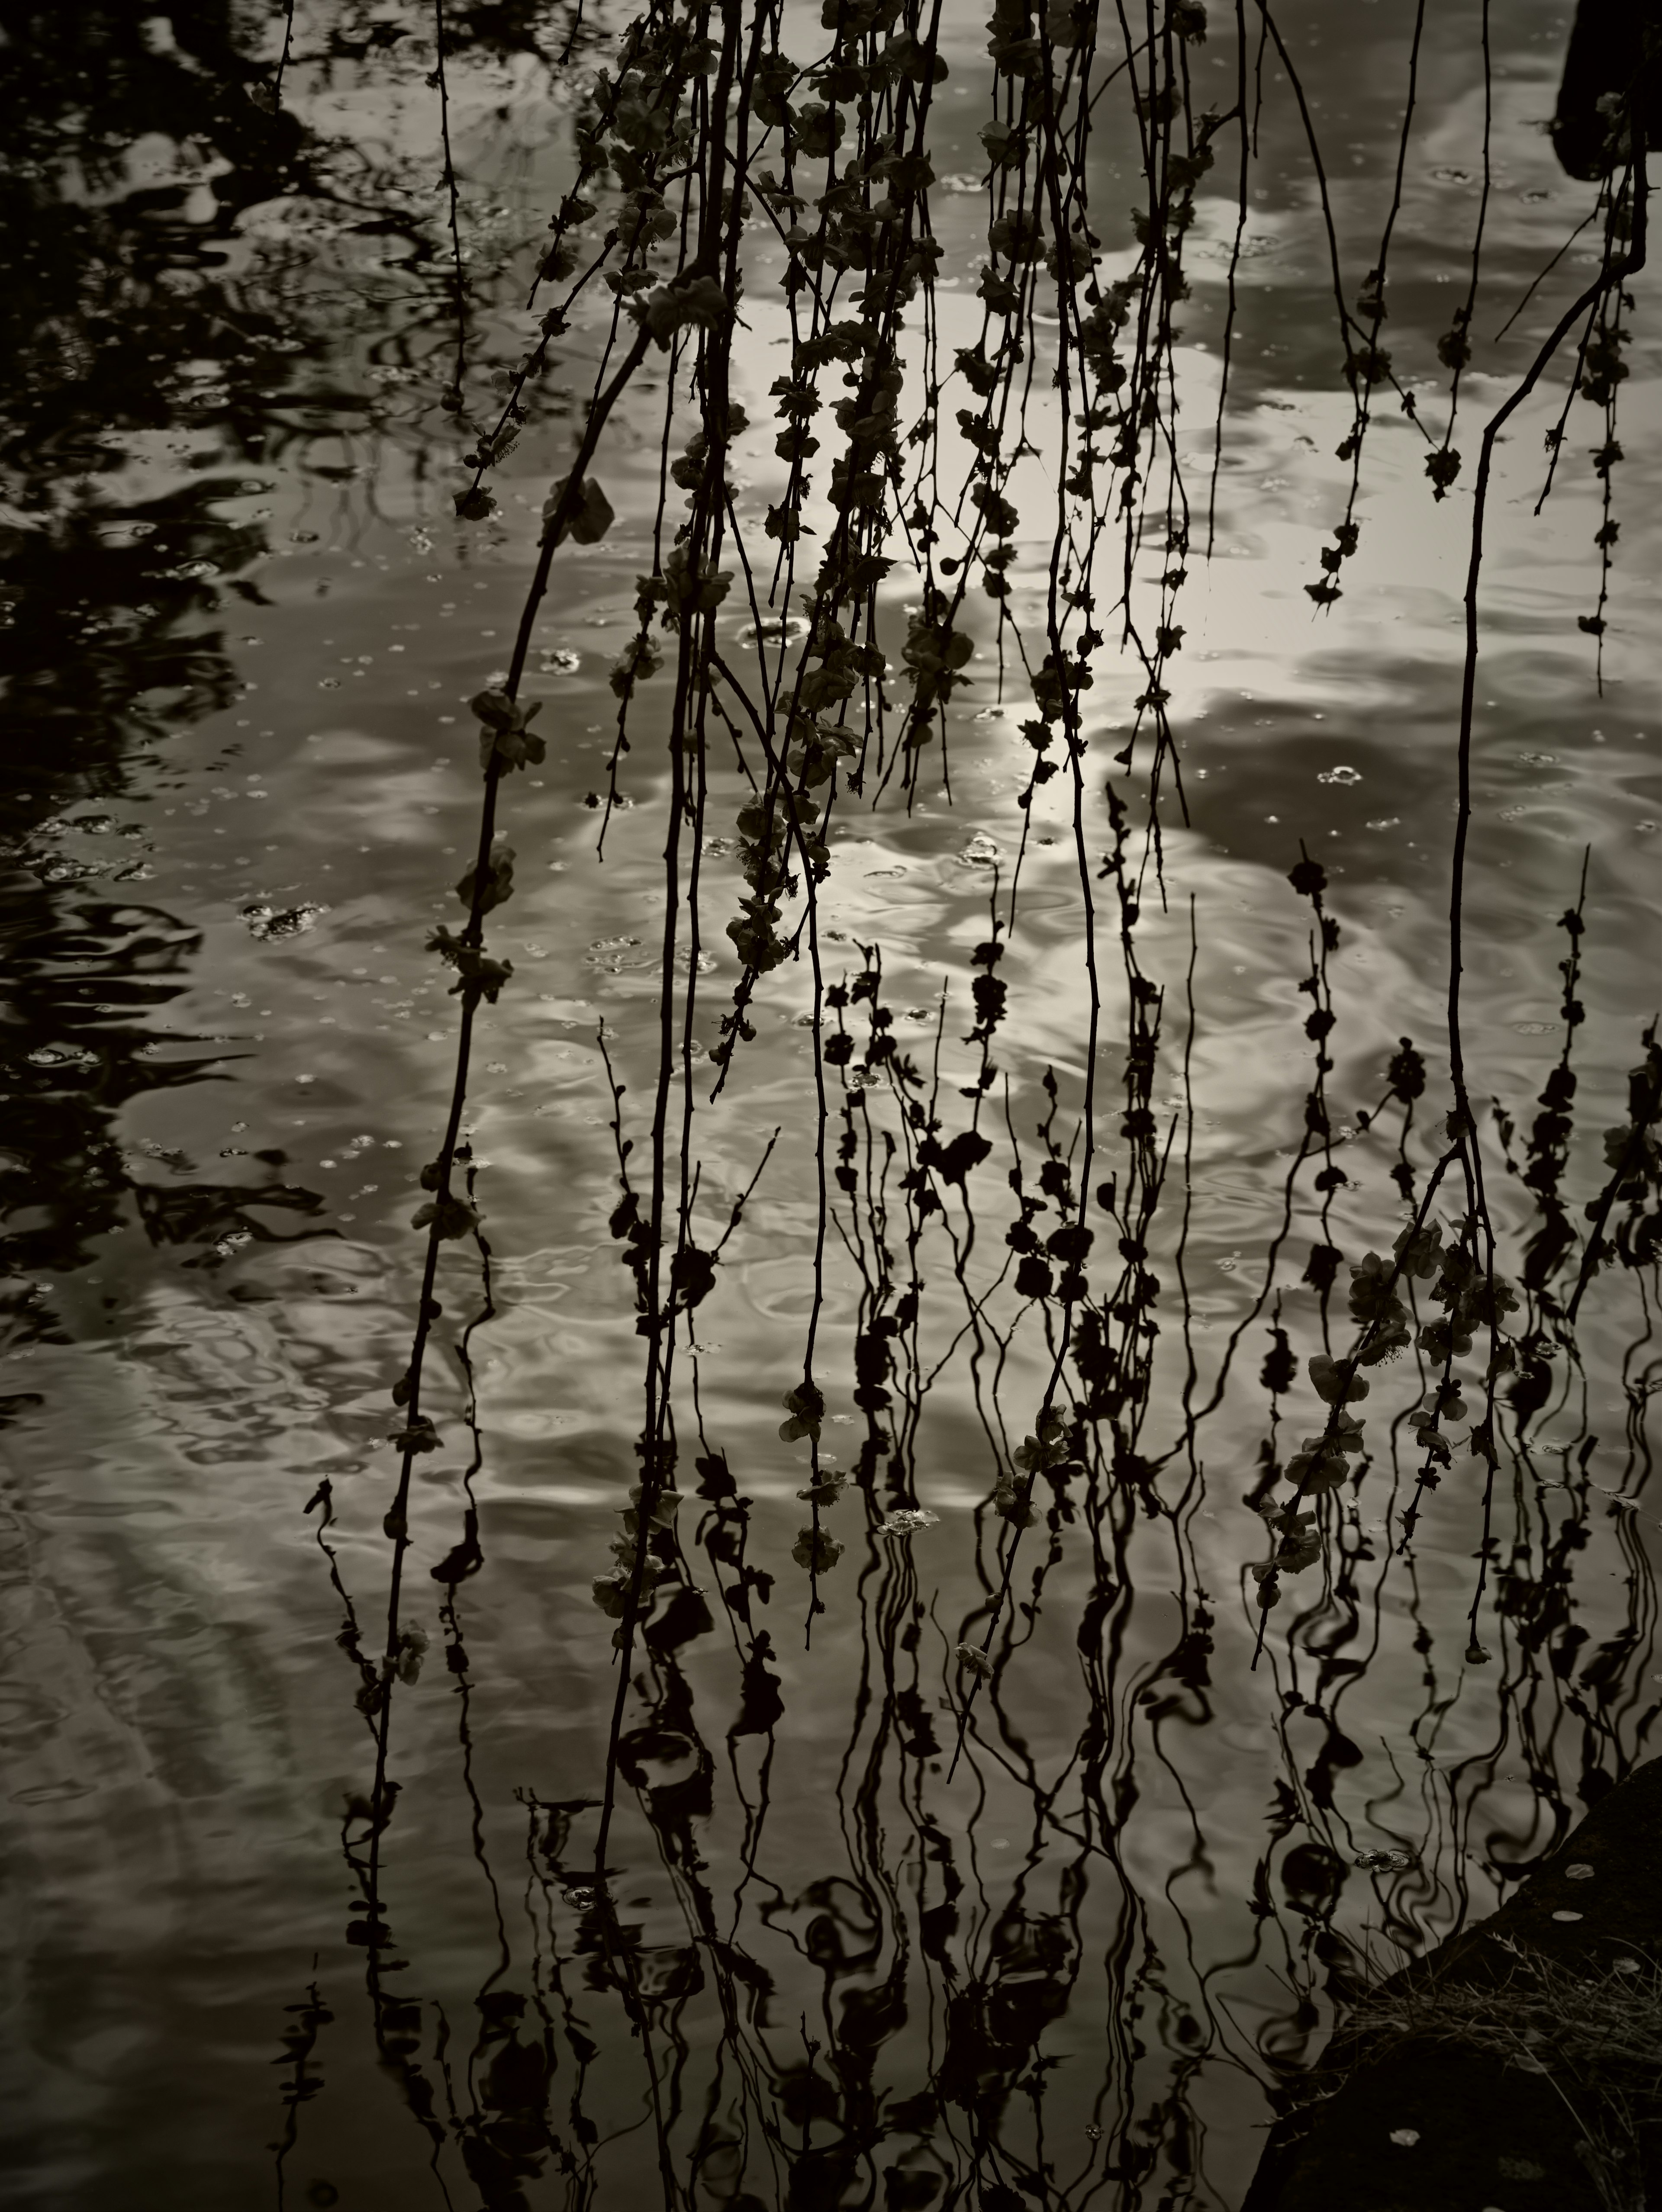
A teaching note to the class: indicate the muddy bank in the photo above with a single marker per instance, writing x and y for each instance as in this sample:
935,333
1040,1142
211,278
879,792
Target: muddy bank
1513,2070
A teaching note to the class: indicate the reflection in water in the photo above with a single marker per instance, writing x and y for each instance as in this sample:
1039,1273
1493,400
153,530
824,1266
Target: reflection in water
1204,1557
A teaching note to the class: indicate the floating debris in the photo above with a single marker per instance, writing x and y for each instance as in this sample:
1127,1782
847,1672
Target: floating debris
61,869
906,1521
775,629
61,1055
268,923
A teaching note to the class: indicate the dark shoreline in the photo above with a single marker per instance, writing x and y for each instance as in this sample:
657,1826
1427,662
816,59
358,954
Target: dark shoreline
1494,2133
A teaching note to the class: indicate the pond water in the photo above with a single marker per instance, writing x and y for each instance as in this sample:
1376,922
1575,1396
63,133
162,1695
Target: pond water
1059,1921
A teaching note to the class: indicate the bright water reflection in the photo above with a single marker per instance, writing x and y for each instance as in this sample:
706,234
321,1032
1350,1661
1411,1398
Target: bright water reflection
241,778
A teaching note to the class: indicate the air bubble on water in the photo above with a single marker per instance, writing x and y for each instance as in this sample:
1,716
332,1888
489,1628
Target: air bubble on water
1340,775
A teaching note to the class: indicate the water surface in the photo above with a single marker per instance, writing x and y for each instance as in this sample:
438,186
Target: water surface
830,1964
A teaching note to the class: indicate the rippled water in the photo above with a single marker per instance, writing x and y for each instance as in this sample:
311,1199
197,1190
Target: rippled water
241,778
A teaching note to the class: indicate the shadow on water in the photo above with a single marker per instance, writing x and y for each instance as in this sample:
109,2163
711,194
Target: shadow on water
723,1846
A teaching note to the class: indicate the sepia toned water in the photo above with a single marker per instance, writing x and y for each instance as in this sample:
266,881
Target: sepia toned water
841,1965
